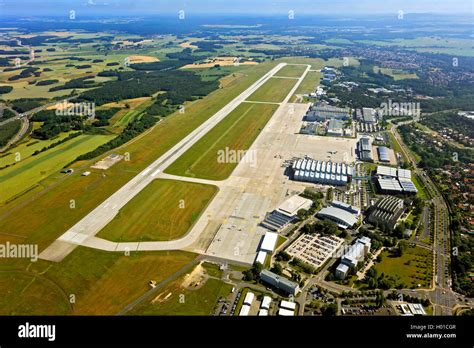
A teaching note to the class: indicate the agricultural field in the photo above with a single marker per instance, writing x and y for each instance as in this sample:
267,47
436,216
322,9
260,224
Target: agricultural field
44,224
291,71
26,173
412,268
236,132
195,293
164,210
273,91
100,282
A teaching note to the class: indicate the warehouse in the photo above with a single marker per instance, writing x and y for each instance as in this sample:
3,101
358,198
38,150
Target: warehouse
321,172
386,212
384,154
279,282
261,257
364,147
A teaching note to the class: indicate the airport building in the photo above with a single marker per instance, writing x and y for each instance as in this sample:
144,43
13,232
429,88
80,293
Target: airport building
286,213
364,147
344,215
268,242
386,212
321,172
367,115
322,113
279,282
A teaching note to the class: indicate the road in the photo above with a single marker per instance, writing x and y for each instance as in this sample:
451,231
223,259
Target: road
84,231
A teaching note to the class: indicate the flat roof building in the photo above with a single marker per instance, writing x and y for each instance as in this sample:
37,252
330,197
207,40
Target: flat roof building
327,112
261,257
288,305
335,127
249,297
279,282
269,241
244,310
267,300
341,271
287,212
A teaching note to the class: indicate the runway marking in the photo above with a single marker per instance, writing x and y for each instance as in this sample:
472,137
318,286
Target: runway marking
156,172
146,171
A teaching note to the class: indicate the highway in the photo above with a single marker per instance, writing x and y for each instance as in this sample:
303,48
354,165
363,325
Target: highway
83,232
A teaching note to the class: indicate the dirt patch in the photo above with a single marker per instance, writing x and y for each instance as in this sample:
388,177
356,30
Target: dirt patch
142,59
188,44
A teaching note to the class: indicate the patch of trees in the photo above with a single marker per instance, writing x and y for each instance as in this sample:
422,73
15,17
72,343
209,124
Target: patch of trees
5,89
253,274
46,82
102,117
180,86
133,129
323,227
6,113
81,82
112,64
26,104
51,49
8,131
27,72
85,66
53,124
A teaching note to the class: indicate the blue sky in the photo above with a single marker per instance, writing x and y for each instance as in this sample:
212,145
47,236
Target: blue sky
259,7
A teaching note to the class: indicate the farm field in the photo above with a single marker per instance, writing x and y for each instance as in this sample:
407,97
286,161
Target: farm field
164,210
412,268
101,282
274,90
291,71
45,225
28,172
396,74
236,132
196,293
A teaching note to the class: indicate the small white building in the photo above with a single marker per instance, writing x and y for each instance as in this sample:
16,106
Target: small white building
266,302
244,310
286,312
269,242
249,298
288,305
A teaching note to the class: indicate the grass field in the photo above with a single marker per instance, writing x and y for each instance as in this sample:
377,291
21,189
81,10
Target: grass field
395,73
28,172
164,210
236,132
101,283
274,90
308,85
44,223
412,268
291,71
180,298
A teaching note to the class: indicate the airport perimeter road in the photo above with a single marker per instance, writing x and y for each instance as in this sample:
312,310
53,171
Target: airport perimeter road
97,219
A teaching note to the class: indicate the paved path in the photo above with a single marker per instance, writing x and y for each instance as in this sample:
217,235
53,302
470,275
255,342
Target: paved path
83,232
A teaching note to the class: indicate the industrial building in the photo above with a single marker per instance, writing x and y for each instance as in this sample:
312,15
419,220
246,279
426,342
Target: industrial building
286,213
344,215
386,212
353,256
384,154
279,282
393,180
322,113
335,128
261,257
364,148
367,115
321,172
267,300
